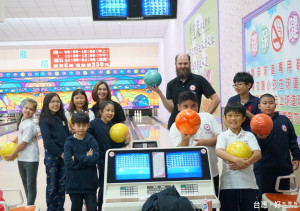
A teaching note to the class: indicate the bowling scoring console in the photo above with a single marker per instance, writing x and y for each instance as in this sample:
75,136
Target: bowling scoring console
133,175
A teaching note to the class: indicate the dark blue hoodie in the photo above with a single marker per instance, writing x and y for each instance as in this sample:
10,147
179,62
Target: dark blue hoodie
55,135
82,171
100,131
276,149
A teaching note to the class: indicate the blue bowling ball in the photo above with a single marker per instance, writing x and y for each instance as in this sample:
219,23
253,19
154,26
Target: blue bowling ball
152,78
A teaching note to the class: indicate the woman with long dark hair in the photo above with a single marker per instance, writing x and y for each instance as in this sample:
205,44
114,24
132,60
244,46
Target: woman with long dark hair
101,92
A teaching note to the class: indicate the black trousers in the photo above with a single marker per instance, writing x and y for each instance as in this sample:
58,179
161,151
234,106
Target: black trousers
77,201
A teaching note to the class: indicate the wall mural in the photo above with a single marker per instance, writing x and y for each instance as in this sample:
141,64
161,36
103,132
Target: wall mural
127,86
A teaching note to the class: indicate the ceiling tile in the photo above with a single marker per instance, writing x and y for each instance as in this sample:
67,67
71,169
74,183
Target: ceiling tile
33,20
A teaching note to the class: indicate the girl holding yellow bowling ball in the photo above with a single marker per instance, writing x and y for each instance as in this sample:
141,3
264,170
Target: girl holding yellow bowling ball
99,128
27,150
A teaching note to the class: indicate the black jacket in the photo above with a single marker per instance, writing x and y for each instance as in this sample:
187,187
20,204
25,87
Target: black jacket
100,131
168,200
54,136
119,112
81,172
276,149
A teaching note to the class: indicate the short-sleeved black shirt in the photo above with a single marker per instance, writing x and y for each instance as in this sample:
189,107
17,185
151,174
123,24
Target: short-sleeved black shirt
119,112
195,83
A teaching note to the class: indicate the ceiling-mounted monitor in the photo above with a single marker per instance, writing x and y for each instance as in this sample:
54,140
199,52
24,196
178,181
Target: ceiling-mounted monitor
104,10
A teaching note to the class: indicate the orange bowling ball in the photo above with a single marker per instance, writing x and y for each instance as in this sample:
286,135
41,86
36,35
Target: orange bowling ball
261,124
188,121
117,132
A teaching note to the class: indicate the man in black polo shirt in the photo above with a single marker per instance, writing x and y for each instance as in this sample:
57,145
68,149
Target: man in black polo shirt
184,81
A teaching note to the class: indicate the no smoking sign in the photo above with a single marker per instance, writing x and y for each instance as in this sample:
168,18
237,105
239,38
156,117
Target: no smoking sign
277,33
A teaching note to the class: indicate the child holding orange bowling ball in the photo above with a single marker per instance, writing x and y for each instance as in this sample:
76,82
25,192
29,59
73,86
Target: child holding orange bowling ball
238,185
27,149
99,128
276,148
206,135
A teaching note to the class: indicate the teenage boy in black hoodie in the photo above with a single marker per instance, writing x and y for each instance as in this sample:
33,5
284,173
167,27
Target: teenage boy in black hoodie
276,149
81,155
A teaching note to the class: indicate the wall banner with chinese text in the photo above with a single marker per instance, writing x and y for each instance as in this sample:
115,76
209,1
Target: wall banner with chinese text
201,42
271,54
80,58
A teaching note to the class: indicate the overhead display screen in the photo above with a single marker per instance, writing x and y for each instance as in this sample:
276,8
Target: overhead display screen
156,7
109,8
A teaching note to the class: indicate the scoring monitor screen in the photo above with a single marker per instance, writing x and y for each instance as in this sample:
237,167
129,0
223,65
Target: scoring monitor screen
184,165
132,166
157,164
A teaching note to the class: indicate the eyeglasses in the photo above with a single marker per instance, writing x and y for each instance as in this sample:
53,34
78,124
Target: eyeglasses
238,85
55,101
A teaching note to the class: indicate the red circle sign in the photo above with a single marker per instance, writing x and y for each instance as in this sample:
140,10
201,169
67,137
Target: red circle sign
277,33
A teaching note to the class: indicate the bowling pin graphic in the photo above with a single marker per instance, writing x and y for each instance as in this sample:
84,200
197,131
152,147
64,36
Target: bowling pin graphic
140,115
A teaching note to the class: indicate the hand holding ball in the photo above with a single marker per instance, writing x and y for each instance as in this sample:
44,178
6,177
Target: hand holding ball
118,132
188,121
261,124
7,149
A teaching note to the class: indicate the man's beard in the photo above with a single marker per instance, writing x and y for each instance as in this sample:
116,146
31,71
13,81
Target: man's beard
183,73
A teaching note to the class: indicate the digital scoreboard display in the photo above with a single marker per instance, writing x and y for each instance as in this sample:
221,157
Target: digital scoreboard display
106,10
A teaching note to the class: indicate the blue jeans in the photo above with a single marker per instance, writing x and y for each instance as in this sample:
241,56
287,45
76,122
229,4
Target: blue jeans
238,199
28,172
55,190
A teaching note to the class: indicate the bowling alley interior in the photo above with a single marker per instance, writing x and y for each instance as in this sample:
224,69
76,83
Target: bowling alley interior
134,63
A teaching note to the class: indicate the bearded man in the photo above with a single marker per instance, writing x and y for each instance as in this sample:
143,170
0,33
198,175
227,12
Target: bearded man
186,80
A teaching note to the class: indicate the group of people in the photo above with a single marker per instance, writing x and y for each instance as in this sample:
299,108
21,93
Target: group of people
243,181
75,141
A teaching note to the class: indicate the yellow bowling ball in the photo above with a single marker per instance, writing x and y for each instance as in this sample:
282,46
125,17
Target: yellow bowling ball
239,149
7,149
117,132
70,123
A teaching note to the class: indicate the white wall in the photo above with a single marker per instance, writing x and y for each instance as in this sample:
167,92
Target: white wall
122,56
231,13
173,45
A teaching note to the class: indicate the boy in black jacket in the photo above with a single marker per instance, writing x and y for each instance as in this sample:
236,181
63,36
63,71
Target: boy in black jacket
275,149
81,155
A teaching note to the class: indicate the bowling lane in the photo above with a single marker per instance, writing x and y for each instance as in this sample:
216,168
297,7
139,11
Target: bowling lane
150,129
7,127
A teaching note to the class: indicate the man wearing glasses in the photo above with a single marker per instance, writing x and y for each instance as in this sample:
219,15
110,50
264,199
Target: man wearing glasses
243,82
